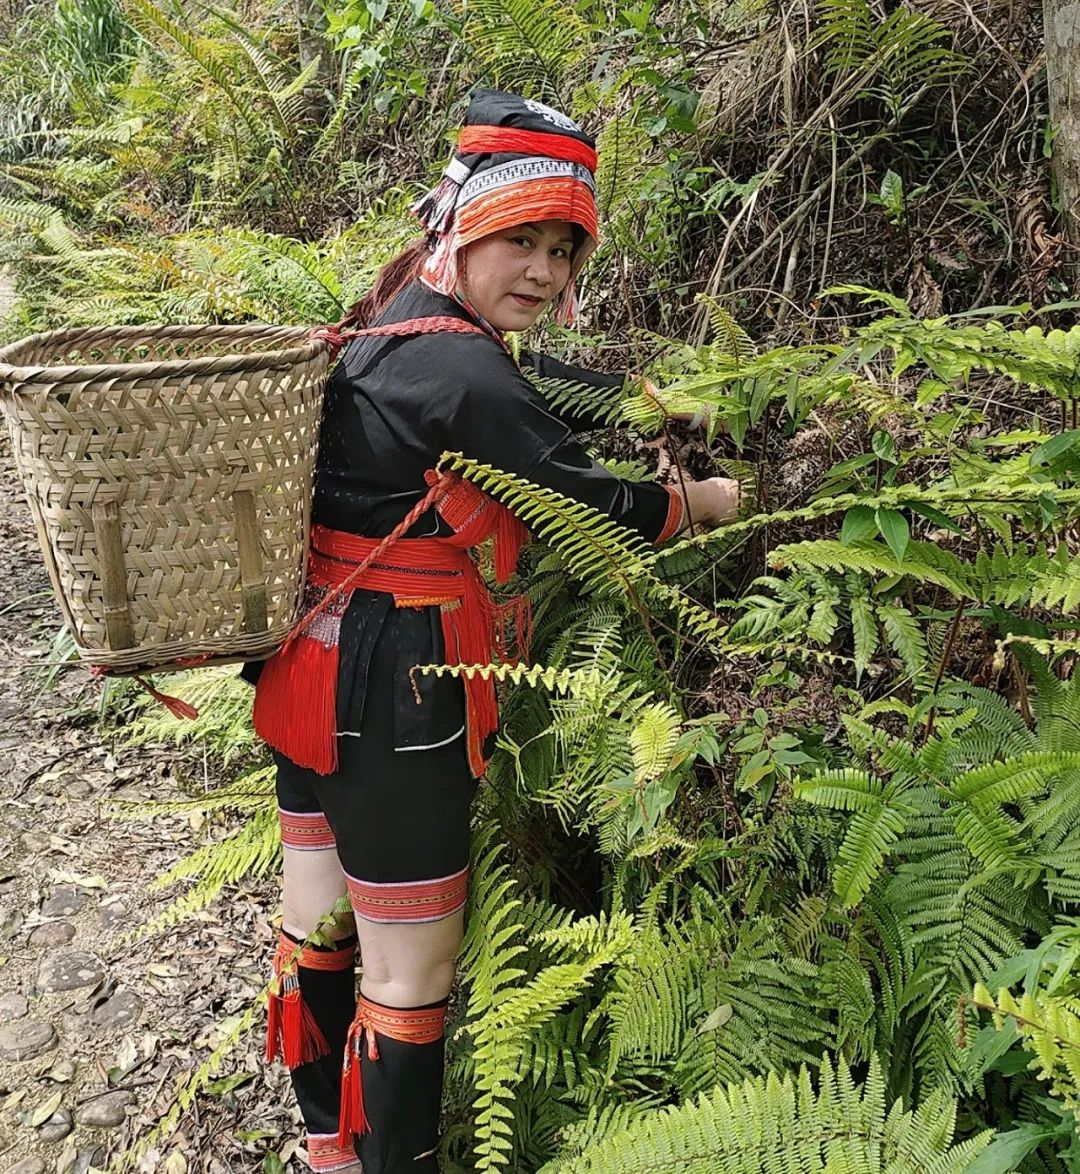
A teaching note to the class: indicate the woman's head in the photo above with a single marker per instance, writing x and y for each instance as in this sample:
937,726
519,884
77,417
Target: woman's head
518,162
521,170
513,275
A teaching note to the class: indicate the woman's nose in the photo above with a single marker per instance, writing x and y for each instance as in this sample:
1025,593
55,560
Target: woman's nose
539,270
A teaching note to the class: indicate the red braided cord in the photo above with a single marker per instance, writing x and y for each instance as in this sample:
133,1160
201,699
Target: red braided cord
421,507
337,338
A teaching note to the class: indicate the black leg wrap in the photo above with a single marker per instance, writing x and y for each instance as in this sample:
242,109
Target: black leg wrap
331,996
402,1099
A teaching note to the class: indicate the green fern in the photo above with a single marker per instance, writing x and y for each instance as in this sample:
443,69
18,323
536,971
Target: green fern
782,1123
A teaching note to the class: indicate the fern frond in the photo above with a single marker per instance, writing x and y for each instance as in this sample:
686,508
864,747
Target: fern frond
534,42
781,1123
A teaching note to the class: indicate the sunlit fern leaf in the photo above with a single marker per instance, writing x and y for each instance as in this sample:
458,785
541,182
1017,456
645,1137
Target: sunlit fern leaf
253,850
319,296
534,43
223,700
504,1011
605,556
599,403
652,741
253,792
727,335
905,635
25,213
1046,1017
776,1123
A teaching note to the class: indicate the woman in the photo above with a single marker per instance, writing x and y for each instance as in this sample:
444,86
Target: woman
376,772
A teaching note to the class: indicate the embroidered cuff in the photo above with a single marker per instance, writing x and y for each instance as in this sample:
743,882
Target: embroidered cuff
325,1152
674,518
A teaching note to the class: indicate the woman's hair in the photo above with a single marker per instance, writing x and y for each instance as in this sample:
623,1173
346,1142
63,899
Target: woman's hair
396,274
391,279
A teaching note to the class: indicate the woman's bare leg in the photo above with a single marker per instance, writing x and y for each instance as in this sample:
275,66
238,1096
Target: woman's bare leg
409,965
312,884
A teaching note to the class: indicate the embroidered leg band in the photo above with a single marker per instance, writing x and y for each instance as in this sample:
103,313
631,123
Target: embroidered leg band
291,1029
325,1152
422,1025
306,831
409,901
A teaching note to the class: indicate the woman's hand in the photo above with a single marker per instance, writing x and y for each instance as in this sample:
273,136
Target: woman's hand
711,502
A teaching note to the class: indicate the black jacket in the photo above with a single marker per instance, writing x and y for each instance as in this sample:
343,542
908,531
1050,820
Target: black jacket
393,406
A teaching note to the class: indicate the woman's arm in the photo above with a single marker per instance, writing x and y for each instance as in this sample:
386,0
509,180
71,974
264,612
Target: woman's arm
582,420
545,367
500,419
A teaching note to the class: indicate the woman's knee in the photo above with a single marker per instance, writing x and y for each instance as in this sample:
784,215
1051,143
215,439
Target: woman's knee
409,965
313,888
411,985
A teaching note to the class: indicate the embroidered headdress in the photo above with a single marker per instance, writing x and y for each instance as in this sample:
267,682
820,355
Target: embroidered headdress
516,161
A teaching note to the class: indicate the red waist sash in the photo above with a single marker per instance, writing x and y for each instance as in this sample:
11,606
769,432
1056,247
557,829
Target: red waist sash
296,696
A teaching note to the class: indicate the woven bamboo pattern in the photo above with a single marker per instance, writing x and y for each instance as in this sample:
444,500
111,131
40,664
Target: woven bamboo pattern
169,470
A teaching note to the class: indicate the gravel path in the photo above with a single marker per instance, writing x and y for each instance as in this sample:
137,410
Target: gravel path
95,1035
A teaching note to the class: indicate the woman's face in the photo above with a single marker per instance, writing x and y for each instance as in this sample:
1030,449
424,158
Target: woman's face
511,276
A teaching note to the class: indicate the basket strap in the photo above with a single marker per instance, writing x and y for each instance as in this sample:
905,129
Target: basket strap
440,324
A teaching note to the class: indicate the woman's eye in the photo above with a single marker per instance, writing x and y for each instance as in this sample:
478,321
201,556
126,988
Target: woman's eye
522,240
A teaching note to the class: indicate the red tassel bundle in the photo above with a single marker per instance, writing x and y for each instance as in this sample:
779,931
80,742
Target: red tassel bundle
352,1118
295,707
291,1030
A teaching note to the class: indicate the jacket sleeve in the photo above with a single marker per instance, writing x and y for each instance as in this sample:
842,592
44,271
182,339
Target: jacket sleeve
545,367
500,419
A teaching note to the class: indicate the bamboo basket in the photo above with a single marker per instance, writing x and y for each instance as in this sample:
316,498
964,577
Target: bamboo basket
169,470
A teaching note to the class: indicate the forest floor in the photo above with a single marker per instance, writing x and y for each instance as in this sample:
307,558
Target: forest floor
96,1034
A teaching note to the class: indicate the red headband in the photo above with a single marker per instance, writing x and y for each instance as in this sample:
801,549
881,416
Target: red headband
497,140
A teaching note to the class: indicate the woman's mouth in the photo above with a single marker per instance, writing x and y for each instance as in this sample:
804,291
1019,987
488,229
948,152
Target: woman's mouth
525,300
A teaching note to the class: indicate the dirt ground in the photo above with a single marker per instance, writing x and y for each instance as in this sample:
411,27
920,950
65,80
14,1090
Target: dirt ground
96,1035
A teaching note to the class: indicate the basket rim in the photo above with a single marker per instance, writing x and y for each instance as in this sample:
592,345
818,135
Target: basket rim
70,373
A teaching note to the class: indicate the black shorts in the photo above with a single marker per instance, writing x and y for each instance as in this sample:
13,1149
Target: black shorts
397,808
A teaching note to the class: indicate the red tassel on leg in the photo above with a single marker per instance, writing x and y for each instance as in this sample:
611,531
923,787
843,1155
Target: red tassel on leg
351,1116
291,1029
296,704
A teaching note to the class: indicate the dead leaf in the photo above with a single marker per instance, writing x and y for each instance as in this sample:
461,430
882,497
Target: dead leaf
62,1071
717,1018
13,1100
68,1155
60,877
175,1163
46,1109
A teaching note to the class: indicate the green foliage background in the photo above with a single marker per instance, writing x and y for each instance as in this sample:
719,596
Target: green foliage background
779,859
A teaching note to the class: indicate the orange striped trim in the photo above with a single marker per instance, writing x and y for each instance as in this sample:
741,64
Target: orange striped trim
325,1152
556,198
289,955
427,900
674,514
306,830
409,1025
